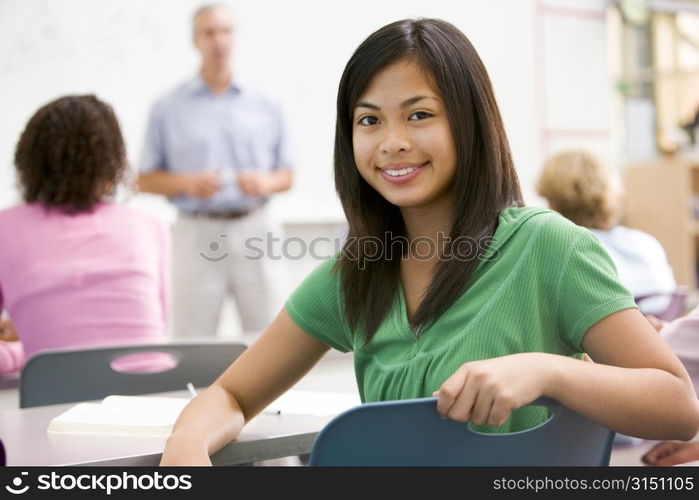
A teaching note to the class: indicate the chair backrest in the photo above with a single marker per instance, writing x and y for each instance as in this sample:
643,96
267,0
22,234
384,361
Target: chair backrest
676,304
411,433
67,375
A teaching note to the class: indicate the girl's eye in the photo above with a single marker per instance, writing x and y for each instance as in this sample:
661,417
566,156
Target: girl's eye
368,120
419,115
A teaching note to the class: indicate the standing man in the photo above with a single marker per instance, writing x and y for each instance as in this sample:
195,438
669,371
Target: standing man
217,151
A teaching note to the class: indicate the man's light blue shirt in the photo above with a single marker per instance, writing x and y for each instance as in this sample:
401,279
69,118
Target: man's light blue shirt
192,129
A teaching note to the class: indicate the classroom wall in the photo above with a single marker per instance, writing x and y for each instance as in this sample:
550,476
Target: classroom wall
547,61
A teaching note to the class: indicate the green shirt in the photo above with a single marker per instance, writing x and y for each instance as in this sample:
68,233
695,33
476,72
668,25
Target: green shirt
547,281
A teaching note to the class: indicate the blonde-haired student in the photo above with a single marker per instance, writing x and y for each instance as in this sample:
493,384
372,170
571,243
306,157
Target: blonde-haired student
584,190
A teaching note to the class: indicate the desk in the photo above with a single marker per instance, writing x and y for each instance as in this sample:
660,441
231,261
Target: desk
27,443
23,431
265,437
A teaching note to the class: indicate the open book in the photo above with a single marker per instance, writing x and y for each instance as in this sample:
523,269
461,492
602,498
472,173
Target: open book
155,416
121,415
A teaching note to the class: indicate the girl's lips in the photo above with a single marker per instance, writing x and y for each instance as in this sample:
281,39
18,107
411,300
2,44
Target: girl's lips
403,178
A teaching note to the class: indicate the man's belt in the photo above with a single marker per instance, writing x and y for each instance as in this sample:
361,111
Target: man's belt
228,215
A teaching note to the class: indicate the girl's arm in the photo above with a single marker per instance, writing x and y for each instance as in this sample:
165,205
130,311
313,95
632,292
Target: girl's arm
270,366
636,386
12,357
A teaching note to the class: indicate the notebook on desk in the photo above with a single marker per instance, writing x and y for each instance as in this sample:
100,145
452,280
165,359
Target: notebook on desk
155,416
120,415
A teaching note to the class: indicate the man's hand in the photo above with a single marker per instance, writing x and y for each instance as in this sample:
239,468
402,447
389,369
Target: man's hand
200,184
7,331
253,183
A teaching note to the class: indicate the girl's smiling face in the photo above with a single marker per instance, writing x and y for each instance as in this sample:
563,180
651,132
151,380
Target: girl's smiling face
402,142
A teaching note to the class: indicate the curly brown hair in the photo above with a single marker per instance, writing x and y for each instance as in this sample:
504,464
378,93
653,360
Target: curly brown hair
71,154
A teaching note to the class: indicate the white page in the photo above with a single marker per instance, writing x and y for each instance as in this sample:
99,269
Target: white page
128,415
314,403
148,402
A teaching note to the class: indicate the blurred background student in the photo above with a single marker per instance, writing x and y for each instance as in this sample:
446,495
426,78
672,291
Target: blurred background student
218,150
578,186
75,268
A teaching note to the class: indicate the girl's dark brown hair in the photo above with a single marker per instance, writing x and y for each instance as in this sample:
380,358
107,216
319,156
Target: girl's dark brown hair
71,154
484,184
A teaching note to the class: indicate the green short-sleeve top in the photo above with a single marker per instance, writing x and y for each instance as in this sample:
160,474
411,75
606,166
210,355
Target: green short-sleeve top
542,284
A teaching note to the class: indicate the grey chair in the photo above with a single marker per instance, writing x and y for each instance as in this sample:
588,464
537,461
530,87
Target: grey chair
411,433
68,375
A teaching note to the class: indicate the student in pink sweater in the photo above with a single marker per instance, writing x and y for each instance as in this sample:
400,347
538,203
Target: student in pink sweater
76,269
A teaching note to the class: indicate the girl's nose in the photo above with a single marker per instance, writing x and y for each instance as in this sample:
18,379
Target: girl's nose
395,141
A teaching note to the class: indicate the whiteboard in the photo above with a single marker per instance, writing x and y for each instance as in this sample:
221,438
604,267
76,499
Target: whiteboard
129,52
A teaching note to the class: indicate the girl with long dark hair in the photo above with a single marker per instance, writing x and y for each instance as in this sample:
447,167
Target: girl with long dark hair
447,285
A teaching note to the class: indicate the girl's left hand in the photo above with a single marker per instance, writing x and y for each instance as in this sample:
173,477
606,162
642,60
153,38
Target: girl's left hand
486,391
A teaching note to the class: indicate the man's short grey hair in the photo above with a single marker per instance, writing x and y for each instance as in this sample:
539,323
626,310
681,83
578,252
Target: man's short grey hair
206,8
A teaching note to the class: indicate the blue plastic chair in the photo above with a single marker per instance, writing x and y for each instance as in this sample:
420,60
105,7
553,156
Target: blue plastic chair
411,433
69,375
